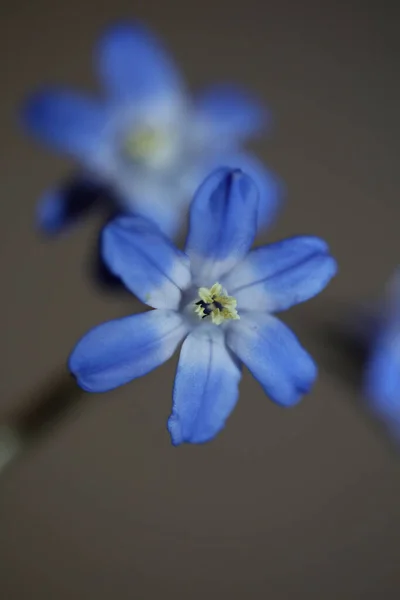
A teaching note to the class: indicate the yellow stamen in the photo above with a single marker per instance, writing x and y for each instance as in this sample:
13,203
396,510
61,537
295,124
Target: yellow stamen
143,143
215,303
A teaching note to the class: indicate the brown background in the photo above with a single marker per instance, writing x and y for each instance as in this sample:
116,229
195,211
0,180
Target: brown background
284,504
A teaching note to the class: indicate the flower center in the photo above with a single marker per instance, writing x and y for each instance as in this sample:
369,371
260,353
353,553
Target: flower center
149,145
215,303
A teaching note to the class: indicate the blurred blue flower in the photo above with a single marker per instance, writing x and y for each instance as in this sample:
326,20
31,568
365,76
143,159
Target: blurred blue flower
146,140
382,375
218,297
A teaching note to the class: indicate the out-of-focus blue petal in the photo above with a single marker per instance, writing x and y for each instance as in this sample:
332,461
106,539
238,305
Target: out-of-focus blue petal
147,262
382,376
206,387
161,202
133,65
273,355
382,373
169,217
222,224
280,275
229,113
61,207
271,189
65,120
116,352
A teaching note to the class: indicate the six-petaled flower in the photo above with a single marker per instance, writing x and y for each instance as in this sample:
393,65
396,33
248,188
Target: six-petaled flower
218,297
146,142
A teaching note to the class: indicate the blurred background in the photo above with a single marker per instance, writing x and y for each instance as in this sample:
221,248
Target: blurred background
283,504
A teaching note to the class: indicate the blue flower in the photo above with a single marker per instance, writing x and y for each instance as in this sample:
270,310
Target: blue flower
382,374
146,141
217,296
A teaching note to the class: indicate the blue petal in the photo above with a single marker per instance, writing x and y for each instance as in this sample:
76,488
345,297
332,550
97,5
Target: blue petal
147,262
157,200
66,120
98,270
222,225
271,189
206,387
61,207
230,113
382,376
133,65
116,352
273,355
280,275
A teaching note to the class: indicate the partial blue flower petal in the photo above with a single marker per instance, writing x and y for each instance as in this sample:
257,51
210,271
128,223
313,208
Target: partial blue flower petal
382,376
66,120
228,113
382,373
116,352
133,64
147,262
61,207
271,189
273,355
277,276
206,387
168,218
222,224
159,201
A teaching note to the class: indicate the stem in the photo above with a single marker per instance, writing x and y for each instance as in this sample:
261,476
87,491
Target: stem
46,407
